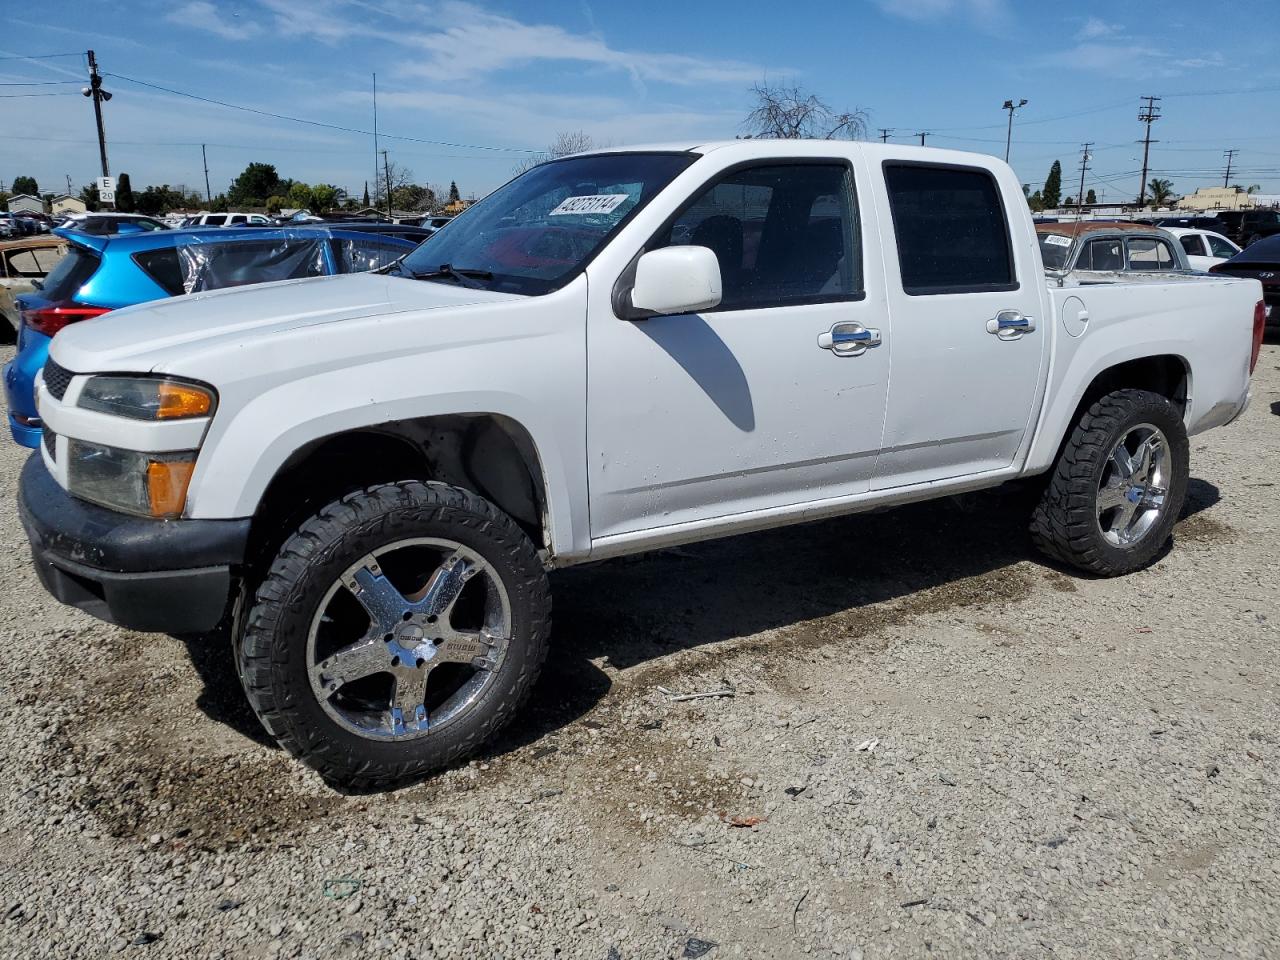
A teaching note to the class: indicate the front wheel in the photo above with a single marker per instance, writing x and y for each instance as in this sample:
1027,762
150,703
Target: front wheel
396,631
1118,486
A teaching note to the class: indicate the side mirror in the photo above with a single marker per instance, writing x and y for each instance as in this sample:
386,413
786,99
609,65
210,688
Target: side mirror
673,280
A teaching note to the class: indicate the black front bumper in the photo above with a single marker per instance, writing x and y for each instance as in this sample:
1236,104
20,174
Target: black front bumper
169,576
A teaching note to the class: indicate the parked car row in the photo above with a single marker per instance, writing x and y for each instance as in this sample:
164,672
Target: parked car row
94,274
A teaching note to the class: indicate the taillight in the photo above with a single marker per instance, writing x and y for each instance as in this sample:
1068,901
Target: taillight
49,320
1259,325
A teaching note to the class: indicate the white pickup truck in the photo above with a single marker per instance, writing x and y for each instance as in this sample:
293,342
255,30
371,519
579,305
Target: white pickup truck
369,475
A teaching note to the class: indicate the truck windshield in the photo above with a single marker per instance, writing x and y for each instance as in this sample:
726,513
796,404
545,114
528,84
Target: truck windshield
538,232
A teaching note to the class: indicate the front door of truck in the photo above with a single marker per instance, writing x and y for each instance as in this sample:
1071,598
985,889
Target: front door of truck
969,336
774,398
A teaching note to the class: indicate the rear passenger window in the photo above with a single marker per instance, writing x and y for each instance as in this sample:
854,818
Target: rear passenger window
1193,245
1150,253
951,229
198,266
784,235
215,220
1104,254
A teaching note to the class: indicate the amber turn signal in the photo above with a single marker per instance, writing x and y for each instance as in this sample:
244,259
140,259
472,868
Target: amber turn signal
179,400
167,482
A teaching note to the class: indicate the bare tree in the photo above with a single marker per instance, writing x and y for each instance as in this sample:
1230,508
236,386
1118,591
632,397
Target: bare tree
788,112
397,175
565,143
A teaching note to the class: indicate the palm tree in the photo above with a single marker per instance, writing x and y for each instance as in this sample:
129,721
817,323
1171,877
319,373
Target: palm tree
1161,191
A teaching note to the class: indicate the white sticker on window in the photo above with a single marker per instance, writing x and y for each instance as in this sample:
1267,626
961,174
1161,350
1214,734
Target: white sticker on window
1057,241
598,203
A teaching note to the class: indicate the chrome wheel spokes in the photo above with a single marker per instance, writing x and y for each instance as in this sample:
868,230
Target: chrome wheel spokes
398,663
1132,487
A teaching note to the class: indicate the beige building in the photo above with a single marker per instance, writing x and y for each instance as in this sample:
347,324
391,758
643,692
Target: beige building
66,204
1216,198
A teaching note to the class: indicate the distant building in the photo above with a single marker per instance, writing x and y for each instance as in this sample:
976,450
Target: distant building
455,207
65,203
1217,198
25,203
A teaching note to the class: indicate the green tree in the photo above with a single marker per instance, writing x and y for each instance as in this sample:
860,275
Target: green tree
125,202
1052,193
1161,191
453,191
1035,202
366,193
89,196
256,182
275,203
413,197
154,201
324,196
25,185
1090,197
300,195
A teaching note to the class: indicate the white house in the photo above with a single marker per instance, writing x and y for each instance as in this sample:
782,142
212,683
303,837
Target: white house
25,203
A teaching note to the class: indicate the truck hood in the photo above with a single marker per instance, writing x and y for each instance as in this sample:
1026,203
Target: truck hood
140,338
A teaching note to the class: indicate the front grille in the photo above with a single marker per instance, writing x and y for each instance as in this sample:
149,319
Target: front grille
56,379
51,443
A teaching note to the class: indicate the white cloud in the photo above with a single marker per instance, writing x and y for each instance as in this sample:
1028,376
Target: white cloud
1095,28
985,13
202,15
1127,60
473,42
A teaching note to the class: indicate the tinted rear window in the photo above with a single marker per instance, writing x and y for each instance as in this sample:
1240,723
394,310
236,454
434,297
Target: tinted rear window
951,229
216,220
162,267
72,272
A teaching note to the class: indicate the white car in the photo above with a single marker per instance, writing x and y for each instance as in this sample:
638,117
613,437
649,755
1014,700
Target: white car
615,352
228,220
1204,248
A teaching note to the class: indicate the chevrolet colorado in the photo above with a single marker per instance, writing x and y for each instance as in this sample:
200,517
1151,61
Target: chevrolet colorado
369,476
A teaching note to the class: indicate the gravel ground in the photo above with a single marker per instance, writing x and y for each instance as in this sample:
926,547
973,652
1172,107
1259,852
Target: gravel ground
938,744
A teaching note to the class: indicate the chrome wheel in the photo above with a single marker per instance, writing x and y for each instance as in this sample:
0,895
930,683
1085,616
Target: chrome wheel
1133,486
408,639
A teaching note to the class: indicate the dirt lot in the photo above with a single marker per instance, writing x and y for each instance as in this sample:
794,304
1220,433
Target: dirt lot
938,745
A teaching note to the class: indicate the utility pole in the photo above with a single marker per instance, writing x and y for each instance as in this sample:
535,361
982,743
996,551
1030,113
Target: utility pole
68,184
1230,155
386,165
922,135
1008,140
95,91
375,136
208,194
1084,165
1149,114
884,134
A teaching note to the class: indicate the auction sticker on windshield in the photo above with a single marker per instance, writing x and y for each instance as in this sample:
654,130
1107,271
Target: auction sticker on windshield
597,203
1057,241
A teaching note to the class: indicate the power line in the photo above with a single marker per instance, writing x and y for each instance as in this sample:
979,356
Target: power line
17,96
44,56
35,83
316,123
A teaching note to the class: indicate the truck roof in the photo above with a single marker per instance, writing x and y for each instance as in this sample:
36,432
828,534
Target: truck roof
1082,227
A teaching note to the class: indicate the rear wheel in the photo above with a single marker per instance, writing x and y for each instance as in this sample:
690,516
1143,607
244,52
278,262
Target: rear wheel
1118,486
397,630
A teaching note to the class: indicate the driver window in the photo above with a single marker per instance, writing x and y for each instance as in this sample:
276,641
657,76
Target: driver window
783,235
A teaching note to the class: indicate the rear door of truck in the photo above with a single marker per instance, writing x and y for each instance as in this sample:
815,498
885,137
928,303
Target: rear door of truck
967,297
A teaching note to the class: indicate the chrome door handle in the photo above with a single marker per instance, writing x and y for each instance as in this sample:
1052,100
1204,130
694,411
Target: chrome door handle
849,339
1010,324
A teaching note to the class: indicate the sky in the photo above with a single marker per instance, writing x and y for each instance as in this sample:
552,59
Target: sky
469,88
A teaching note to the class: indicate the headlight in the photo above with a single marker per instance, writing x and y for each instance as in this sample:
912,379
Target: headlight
146,484
146,398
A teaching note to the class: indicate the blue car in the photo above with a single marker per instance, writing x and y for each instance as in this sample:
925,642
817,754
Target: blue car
103,273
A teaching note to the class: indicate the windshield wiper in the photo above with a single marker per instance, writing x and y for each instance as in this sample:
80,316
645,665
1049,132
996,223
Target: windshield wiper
466,276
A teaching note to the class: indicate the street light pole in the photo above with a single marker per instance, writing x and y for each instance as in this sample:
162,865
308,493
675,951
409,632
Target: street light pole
1008,140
